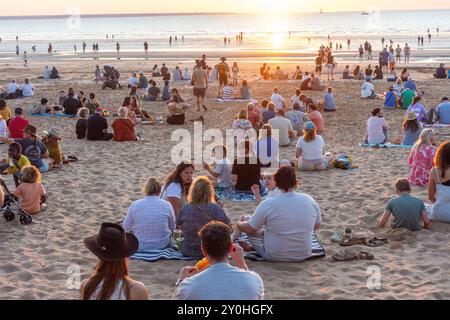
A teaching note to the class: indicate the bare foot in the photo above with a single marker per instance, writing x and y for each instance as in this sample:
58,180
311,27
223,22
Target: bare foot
246,246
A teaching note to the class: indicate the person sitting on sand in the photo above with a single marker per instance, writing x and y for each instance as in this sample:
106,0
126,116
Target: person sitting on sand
41,107
5,111
253,115
278,74
357,73
220,281
15,162
443,111
398,87
177,111
228,92
276,229
30,191
377,127
123,127
406,98
269,114
152,93
441,72
411,85
166,91
421,158
368,73
177,74
14,91
222,168
377,73
329,104
267,74
267,148
315,83
305,82
297,74
298,118
70,105
111,280
143,81
246,169
51,140
28,89
134,110
133,81
245,91
269,184
81,125
46,73
200,210
419,109
391,76
346,73
404,75
155,71
151,219
316,117
32,148
54,74
186,75
390,98
411,129
296,98
286,133
165,72
368,90
17,124
277,100
408,211
439,185
310,150
92,103
97,127
241,125
177,186
262,69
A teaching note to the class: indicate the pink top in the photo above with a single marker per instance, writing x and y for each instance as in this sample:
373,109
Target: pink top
317,119
421,162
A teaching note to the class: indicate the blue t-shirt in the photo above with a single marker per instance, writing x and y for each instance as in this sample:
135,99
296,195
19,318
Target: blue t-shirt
269,114
329,102
443,111
410,85
33,150
390,100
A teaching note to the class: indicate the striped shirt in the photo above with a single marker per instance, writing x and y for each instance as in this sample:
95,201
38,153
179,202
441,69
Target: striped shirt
228,93
151,220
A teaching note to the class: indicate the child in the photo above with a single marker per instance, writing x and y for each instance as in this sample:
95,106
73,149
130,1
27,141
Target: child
51,141
81,126
30,191
222,170
166,92
16,161
235,71
408,211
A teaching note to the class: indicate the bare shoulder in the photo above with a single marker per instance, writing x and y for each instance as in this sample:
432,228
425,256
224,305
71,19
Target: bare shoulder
138,291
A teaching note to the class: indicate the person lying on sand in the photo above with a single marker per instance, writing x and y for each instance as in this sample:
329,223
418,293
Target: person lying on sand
408,211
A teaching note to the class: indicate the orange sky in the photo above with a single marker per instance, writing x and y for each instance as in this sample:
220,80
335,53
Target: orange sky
50,7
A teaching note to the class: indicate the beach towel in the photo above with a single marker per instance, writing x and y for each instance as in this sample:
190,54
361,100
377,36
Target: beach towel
317,251
231,194
52,115
155,255
237,100
386,145
436,125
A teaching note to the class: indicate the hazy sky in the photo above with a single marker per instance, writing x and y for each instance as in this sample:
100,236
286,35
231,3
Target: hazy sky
50,7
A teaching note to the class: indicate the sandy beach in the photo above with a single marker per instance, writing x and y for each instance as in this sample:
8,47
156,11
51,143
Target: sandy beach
34,259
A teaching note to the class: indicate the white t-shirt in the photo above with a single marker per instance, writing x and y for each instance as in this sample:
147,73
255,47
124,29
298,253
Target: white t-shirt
296,99
375,127
277,100
224,168
12,87
367,89
133,81
312,150
289,220
173,190
3,128
283,126
28,90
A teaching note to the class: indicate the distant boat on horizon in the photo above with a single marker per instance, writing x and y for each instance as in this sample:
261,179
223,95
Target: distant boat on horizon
365,13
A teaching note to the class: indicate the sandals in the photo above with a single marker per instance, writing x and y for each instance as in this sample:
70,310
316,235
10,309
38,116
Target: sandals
351,242
363,255
376,242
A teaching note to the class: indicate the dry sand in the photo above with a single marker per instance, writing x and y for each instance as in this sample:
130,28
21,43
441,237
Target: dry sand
34,259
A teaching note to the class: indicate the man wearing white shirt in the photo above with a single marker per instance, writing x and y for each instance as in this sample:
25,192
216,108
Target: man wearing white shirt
368,90
284,127
28,89
13,87
133,81
277,99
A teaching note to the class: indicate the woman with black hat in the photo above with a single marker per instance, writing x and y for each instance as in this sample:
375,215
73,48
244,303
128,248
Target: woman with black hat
110,280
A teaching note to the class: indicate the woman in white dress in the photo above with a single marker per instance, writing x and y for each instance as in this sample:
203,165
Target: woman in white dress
439,185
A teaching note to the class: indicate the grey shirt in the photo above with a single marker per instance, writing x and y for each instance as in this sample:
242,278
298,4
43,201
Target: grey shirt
406,210
222,281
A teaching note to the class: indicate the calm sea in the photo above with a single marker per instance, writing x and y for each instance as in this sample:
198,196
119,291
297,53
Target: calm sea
207,32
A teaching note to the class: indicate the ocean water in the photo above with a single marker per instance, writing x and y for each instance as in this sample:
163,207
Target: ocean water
284,32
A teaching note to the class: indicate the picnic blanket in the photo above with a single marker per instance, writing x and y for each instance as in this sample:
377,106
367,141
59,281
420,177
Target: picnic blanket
52,115
233,195
237,100
437,125
155,255
317,251
386,145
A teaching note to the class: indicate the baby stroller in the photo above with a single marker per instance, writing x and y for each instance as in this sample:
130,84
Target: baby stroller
11,207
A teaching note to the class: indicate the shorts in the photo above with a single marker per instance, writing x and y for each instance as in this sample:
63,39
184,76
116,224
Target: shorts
318,68
223,79
199,92
313,165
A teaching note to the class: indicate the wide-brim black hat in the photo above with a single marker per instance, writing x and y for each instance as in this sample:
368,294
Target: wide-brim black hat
112,243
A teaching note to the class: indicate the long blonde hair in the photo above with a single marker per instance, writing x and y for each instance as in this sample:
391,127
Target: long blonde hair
309,135
424,138
201,191
242,114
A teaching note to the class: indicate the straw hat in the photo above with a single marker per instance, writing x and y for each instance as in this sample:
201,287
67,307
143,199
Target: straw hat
411,116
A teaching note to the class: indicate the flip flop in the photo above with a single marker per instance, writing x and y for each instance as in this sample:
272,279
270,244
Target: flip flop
341,257
351,242
376,242
363,255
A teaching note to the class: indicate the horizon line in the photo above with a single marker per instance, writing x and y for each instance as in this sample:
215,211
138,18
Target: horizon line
106,15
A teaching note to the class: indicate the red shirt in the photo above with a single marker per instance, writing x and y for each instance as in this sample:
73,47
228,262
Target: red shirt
16,126
253,117
123,130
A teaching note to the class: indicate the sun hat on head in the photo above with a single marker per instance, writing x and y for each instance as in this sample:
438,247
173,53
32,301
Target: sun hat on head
112,243
53,132
310,125
411,116
32,130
